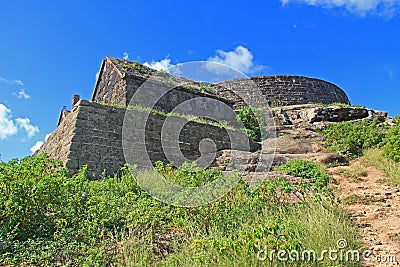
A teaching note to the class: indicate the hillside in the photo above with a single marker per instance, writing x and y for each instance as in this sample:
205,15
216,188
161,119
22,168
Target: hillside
333,186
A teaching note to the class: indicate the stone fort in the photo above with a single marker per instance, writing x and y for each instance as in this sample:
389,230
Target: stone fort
90,133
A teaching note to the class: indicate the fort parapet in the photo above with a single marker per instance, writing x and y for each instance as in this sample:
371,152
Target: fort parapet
283,90
91,135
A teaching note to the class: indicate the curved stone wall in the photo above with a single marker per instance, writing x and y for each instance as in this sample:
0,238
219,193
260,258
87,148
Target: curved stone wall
283,90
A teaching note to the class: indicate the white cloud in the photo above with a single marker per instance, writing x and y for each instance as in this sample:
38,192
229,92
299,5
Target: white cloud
360,7
389,70
240,58
10,127
12,81
25,124
36,146
163,64
22,94
7,126
126,56
18,82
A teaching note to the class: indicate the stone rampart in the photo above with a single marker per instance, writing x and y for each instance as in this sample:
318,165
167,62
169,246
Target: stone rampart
283,90
92,134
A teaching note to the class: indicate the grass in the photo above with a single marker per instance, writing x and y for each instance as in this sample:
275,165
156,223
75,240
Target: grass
313,225
337,104
221,124
395,237
361,199
375,157
354,174
202,87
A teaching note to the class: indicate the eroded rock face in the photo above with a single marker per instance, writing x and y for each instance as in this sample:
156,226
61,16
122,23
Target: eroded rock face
309,114
297,137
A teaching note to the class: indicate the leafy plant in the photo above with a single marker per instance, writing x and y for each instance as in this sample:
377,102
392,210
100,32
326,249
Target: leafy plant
253,122
188,174
309,170
391,145
350,138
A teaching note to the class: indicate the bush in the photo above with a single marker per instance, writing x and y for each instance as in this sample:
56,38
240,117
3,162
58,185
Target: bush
30,198
350,138
309,170
253,122
188,174
391,145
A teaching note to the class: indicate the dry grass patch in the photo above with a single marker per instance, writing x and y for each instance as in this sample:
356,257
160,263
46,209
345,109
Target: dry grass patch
362,199
374,157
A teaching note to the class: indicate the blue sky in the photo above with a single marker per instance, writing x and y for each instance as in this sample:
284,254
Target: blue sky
51,50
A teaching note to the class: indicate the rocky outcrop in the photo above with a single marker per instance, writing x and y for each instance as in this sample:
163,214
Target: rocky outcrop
297,137
309,114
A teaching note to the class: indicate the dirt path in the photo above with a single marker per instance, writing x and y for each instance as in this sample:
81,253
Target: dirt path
375,208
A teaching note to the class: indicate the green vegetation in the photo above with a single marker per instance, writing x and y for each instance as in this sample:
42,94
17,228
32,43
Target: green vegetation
188,174
221,124
202,87
362,199
351,138
391,145
205,87
377,143
338,104
353,174
309,170
47,219
253,122
132,66
391,168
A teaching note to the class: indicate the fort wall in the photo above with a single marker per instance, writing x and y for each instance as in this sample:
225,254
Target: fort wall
117,87
92,134
283,90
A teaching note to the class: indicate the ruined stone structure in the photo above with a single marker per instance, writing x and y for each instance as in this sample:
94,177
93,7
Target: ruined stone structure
118,81
92,134
92,131
283,90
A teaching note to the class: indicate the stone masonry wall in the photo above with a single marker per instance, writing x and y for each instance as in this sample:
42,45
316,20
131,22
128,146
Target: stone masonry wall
110,87
115,87
92,134
171,99
58,143
284,90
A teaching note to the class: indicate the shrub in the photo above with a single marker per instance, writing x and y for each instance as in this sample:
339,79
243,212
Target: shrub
31,195
391,145
350,138
253,122
188,174
309,170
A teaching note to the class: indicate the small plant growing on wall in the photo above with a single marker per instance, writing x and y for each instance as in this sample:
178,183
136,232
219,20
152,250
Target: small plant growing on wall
252,118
